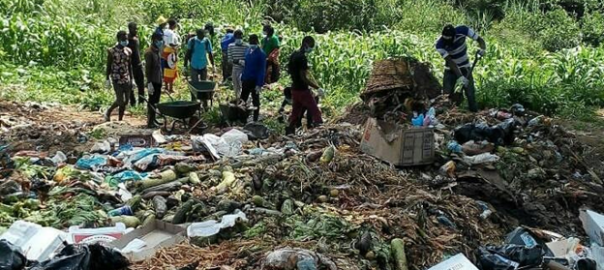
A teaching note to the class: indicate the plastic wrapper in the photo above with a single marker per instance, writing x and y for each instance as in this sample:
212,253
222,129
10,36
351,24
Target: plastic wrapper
523,255
303,258
488,260
11,257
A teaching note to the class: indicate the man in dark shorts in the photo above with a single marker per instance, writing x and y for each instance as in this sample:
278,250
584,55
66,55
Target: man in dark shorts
302,96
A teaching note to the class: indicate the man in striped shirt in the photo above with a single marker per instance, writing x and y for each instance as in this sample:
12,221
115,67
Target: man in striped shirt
452,46
236,55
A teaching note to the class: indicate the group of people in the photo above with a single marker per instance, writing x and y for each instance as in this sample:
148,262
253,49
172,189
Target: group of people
251,66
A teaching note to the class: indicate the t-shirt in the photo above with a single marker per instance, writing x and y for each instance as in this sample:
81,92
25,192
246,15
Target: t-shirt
226,41
297,63
255,66
236,53
171,37
120,64
134,44
199,58
458,50
270,43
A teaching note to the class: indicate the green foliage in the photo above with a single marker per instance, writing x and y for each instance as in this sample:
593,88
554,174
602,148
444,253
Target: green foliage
558,30
55,50
593,28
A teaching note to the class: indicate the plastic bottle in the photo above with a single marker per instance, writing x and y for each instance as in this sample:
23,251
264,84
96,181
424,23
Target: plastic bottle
418,121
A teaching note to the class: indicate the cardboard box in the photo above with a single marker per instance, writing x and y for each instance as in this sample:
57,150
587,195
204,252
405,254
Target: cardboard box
398,145
593,223
138,140
457,262
155,235
96,235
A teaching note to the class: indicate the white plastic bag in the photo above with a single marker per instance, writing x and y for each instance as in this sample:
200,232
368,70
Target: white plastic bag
480,159
213,227
235,135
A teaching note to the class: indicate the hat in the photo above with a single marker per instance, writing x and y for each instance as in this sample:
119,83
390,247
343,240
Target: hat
161,20
448,31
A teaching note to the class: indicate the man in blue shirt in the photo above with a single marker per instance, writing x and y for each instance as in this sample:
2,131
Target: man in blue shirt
452,47
199,49
224,45
253,75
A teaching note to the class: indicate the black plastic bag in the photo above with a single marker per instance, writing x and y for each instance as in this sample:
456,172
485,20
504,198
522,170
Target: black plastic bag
488,260
85,257
256,131
501,134
11,257
523,237
523,255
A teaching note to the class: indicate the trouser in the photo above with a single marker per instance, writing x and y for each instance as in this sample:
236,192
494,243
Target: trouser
272,72
288,101
449,81
153,101
249,87
236,76
226,67
122,94
199,74
196,76
302,101
139,78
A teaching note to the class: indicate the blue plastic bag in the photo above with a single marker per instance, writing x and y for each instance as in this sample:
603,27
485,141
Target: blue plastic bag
91,162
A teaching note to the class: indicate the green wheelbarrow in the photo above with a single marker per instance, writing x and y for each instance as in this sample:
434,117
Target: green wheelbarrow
203,91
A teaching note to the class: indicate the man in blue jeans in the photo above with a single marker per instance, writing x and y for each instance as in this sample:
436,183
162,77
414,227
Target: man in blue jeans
452,47
197,49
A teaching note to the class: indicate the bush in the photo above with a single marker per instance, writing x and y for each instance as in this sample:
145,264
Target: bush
592,26
558,31
330,15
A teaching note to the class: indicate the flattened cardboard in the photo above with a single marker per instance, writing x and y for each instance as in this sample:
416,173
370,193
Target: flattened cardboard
158,234
457,262
397,145
593,223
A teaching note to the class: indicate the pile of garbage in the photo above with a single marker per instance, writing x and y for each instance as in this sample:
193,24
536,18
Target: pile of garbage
501,189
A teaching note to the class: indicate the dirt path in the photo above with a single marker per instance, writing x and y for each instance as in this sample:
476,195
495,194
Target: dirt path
36,127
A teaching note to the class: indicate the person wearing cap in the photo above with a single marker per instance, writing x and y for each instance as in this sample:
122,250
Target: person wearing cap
452,47
119,74
137,64
227,67
161,25
236,54
154,74
252,77
169,54
199,49
270,46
